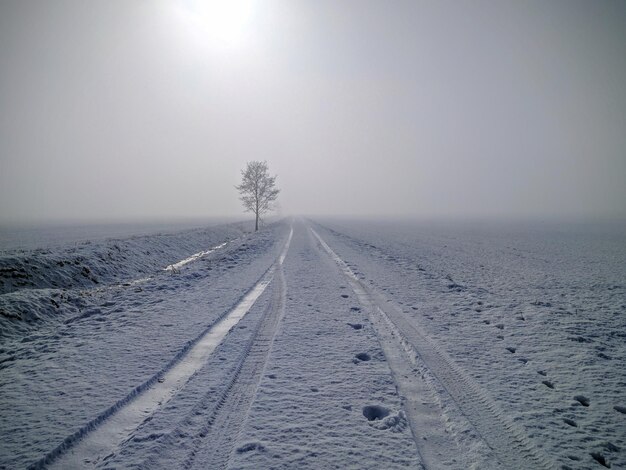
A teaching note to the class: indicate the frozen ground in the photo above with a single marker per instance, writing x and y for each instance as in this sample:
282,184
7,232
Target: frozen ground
318,344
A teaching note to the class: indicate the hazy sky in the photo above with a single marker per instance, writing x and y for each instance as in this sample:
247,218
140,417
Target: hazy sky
149,109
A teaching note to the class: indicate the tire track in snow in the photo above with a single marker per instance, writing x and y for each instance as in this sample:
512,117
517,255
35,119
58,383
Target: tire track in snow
209,430
172,268
99,438
511,446
196,256
223,425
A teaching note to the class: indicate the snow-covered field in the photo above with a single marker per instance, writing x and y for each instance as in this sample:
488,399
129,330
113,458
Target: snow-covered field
318,344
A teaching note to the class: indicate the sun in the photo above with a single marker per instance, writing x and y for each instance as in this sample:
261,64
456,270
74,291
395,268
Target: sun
224,21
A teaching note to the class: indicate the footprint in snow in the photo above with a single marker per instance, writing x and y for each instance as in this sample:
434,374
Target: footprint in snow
374,412
381,418
150,437
356,326
570,422
511,350
598,457
361,357
250,446
345,296
548,384
583,400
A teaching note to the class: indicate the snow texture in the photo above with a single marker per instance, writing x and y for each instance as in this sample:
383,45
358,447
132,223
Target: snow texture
67,369
373,345
535,315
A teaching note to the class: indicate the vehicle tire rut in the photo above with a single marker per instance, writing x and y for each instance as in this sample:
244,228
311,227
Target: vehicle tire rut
210,429
510,444
98,441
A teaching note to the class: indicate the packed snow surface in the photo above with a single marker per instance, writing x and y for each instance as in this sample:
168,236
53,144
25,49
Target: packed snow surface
356,344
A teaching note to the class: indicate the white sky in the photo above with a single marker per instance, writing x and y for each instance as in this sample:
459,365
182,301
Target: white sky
149,109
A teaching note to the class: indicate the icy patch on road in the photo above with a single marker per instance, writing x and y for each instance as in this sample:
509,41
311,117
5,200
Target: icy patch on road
32,282
176,266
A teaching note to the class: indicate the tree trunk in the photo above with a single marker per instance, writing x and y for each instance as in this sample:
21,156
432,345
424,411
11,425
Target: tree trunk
256,223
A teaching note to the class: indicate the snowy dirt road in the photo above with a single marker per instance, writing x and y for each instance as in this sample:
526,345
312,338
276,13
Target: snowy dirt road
273,351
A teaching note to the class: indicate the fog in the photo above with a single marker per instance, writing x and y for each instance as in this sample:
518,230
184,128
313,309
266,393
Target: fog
128,110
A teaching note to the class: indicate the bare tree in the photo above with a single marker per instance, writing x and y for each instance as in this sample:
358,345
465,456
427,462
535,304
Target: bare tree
257,189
